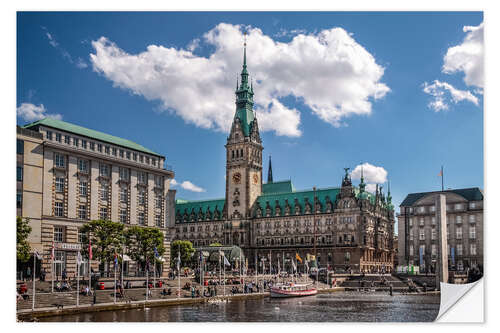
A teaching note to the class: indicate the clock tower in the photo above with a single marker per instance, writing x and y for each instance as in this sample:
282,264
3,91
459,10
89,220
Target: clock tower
243,153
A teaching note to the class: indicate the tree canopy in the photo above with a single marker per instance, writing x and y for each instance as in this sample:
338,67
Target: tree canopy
107,239
22,245
141,243
186,248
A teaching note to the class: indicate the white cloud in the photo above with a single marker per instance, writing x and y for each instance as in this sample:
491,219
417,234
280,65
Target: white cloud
371,187
79,63
193,45
187,185
329,72
372,175
287,33
468,57
443,93
31,112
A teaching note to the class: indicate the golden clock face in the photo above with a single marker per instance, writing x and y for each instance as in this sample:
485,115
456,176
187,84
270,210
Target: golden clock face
237,178
255,178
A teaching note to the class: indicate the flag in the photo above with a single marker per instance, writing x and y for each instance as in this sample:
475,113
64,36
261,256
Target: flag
298,257
440,173
52,254
156,253
116,260
90,249
79,258
37,255
179,260
293,265
226,262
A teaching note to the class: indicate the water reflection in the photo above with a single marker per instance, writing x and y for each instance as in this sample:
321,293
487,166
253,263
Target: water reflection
344,306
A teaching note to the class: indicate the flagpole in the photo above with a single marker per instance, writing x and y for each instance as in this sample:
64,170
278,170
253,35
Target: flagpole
34,275
202,275
224,280
78,260
220,271
52,265
179,268
115,264
90,267
442,179
123,260
147,280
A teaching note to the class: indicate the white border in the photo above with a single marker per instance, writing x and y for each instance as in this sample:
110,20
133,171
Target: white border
8,63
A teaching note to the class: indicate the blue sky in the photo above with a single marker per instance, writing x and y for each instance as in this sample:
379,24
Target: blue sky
367,104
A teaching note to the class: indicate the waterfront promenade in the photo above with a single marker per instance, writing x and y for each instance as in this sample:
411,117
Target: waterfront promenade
57,302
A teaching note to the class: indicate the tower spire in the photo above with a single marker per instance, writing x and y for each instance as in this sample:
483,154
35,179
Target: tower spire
270,172
362,184
245,50
244,72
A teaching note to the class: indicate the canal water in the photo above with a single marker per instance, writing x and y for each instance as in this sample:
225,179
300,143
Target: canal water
334,307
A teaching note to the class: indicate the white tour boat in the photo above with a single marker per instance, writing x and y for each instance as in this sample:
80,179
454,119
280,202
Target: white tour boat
293,290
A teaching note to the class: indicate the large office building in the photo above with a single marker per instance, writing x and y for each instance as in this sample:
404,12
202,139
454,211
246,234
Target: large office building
346,227
68,175
418,229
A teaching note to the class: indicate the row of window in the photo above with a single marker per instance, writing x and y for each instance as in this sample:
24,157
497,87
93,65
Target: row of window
104,170
192,228
93,146
458,233
459,250
307,223
458,219
432,209
104,214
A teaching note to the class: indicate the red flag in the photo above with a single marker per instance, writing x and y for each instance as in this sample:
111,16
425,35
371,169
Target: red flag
440,173
52,253
90,249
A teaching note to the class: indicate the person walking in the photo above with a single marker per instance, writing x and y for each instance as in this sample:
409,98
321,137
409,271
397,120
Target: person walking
28,273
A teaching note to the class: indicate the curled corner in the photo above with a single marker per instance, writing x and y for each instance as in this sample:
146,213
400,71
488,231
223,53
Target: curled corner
451,294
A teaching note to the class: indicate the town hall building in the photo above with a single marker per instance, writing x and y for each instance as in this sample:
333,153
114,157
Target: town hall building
346,227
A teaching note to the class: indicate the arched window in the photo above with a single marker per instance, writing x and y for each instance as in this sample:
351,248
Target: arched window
302,241
352,239
232,151
312,240
241,152
340,239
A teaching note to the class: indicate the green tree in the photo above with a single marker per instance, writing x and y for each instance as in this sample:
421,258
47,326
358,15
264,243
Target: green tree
141,243
187,250
22,246
106,237
216,244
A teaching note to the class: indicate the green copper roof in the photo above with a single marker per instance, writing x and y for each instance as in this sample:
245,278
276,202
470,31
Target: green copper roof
278,187
365,195
79,130
182,205
301,197
470,194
